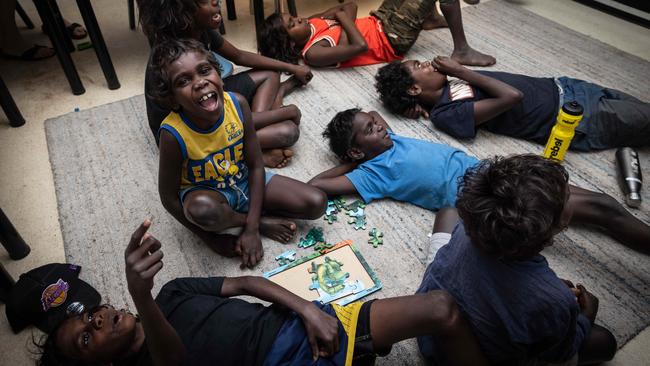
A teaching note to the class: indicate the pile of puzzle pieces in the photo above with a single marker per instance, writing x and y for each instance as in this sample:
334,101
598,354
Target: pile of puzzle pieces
355,210
314,237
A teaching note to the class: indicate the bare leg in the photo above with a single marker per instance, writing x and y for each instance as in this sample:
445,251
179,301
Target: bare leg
11,41
210,211
432,314
435,21
599,346
603,211
277,126
288,197
463,53
445,220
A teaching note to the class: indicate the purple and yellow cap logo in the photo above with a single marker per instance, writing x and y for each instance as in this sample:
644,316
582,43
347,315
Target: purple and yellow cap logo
54,294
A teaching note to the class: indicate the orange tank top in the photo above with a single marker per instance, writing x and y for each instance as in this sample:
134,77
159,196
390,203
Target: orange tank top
379,49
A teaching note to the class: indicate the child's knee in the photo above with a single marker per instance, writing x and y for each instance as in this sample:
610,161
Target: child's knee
315,203
288,134
202,210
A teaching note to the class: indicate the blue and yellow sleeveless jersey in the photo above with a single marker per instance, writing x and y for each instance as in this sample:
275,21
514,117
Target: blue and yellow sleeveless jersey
213,157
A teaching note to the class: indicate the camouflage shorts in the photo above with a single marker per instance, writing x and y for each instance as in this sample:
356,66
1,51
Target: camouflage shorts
402,20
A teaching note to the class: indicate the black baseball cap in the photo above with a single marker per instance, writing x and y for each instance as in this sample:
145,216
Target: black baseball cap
47,295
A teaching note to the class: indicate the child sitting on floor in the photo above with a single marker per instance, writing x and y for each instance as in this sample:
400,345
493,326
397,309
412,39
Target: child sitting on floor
211,171
337,38
277,125
509,104
521,312
380,164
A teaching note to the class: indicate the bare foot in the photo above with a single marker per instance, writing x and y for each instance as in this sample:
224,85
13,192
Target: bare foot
471,57
288,86
436,20
281,230
277,158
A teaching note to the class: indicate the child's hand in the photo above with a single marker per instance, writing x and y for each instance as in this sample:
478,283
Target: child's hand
322,331
416,112
447,65
588,303
303,74
143,259
249,246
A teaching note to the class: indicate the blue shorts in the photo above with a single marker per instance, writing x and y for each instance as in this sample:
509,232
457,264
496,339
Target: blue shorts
237,197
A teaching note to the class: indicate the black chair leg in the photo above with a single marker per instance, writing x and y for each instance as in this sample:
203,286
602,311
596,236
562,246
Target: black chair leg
292,7
11,240
23,15
6,283
96,37
258,9
61,24
9,106
58,42
230,6
131,14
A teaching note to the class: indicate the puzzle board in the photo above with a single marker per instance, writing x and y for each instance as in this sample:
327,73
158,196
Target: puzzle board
296,276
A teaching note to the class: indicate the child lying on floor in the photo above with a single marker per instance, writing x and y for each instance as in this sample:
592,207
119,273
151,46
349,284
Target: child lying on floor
380,164
521,312
211,174
194,321
337,38
509,104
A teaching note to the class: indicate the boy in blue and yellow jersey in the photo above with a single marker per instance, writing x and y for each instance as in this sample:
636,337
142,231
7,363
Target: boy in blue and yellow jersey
211,174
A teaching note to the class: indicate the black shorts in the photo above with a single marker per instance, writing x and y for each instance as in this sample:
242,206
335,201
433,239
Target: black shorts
364,352
241,84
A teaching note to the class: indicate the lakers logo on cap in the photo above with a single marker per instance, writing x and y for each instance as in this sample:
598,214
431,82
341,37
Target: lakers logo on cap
54,294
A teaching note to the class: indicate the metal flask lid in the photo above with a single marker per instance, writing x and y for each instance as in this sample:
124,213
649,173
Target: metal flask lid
573,108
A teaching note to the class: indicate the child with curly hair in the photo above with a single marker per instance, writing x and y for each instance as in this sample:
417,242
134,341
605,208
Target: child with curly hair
337,38
277,125
520,310
514,105
378,163
211,174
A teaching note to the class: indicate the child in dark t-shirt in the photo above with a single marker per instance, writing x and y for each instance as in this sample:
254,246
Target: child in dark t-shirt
510,104
194,321
520,310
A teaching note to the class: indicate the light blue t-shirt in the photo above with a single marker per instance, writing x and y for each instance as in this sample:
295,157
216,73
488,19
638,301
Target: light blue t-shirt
415,171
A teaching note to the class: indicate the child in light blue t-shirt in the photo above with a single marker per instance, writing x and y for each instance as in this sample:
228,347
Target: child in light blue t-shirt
382,164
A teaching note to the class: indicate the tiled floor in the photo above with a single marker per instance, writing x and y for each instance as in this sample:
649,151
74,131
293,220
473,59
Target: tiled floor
41,91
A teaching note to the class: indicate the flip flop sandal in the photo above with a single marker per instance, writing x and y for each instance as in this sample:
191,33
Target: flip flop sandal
74,26
70,29
29,55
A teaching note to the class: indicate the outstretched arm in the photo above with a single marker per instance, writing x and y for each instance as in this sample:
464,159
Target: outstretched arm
322,328
334,182
143,259
502,96
257,61
321,54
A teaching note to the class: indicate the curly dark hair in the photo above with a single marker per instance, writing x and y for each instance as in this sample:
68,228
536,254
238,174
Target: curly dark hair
166,19
163,54
512,206
392,83
339,132
48,352
275,42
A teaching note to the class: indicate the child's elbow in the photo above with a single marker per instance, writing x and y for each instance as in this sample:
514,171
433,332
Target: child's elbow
516,96
362,47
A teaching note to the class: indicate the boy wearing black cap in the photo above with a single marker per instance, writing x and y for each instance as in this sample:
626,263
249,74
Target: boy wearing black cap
192,321
46,295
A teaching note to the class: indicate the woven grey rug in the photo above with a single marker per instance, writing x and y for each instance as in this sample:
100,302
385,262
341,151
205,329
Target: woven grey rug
104,162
